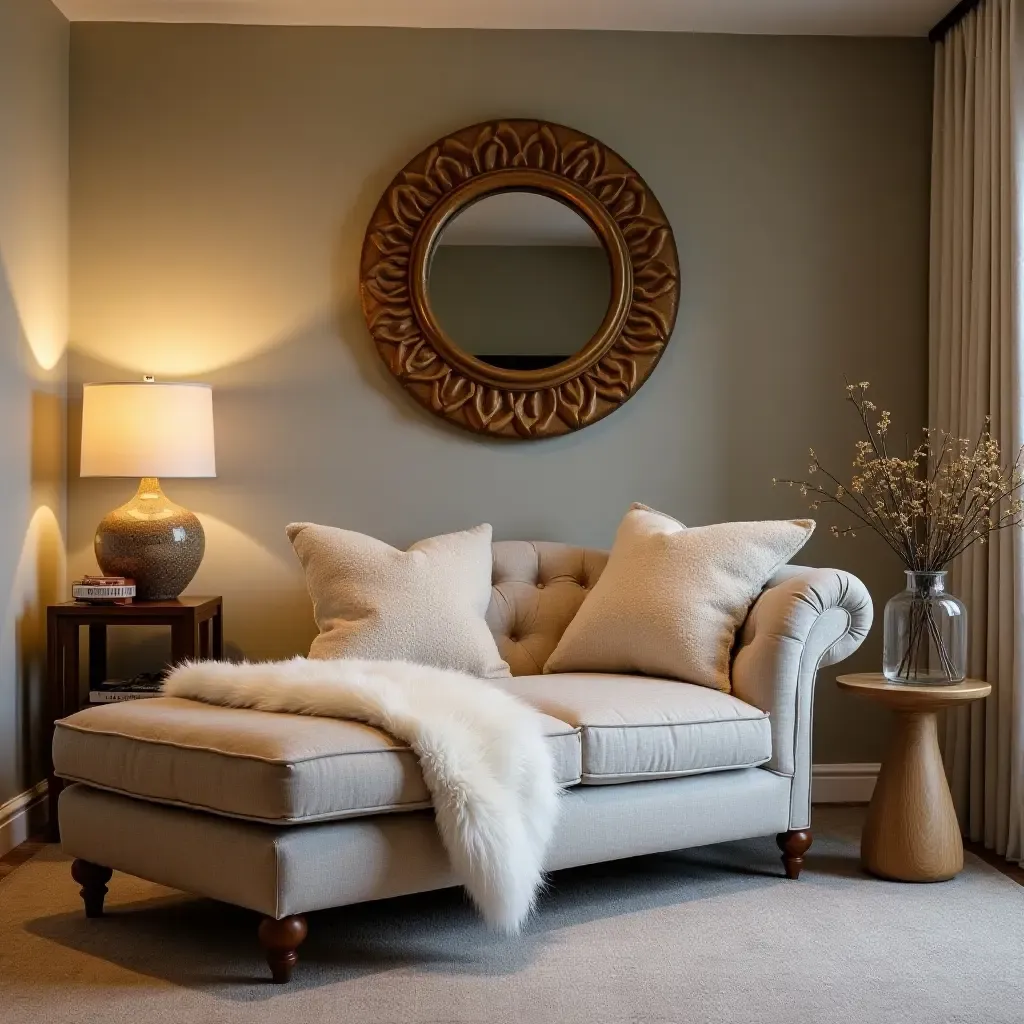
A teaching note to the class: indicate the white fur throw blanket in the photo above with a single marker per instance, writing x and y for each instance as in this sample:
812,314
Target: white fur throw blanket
482,752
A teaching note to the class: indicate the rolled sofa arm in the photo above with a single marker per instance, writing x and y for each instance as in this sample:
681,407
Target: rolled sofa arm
804,619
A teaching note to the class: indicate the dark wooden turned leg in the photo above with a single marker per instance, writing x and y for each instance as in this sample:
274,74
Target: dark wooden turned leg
93,880
794,844
281,939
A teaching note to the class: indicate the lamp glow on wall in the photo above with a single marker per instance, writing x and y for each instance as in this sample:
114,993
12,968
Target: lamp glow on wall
149,429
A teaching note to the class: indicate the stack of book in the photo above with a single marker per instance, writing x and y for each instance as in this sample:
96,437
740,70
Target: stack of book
146,684
103,590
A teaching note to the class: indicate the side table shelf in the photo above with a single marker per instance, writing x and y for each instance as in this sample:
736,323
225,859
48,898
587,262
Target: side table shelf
197,632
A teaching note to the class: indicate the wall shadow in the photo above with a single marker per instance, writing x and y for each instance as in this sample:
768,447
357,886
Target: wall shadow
32,573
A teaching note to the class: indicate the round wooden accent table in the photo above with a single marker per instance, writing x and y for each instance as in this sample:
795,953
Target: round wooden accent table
912,833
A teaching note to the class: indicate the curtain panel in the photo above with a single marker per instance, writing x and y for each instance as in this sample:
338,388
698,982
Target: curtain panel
975,370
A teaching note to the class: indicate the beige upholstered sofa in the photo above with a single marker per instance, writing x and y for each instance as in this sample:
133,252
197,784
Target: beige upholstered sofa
286,814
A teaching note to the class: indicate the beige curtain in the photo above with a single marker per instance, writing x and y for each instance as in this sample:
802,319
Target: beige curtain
975,369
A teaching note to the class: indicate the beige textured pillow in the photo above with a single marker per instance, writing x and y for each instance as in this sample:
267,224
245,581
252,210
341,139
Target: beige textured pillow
670,599
425,605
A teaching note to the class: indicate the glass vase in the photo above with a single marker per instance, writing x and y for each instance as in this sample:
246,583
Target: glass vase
925,633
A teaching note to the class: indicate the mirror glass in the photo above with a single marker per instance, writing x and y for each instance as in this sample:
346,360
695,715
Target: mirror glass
519,280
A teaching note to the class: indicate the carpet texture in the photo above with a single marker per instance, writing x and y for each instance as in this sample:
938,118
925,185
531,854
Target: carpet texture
705,935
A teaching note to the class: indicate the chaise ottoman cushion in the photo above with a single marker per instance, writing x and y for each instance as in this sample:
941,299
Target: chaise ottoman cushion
635,727
275,768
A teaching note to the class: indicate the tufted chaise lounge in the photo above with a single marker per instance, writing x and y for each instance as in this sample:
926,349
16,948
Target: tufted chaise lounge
286,814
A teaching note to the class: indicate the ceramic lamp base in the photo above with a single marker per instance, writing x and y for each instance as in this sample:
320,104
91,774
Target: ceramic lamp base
154,541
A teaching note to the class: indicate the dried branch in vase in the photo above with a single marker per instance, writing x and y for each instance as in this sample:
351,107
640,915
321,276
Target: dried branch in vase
930,504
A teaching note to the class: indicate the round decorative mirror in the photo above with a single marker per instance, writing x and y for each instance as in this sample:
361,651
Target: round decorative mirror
520,279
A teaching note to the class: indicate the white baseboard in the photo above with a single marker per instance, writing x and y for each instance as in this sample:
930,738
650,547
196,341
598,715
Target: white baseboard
843,783
22,816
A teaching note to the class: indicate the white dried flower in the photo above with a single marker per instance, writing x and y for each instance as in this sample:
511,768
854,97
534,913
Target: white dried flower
931,505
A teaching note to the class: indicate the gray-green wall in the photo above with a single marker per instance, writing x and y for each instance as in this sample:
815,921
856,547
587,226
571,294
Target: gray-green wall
222,178
33,338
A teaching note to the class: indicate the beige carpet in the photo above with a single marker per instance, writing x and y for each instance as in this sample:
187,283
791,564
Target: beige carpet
708,935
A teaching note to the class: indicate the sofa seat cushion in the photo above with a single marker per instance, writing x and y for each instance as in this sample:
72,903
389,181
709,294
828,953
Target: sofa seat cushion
267,767
635,727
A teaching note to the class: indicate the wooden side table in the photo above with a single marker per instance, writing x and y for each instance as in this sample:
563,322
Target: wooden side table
197,631
912,833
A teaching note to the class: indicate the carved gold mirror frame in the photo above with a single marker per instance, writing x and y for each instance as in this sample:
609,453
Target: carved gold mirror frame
563,164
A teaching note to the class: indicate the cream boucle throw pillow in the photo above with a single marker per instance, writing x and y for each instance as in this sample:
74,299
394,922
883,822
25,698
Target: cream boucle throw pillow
425,605
670,599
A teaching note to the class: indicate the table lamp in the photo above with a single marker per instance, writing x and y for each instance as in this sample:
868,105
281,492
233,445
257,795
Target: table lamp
149,429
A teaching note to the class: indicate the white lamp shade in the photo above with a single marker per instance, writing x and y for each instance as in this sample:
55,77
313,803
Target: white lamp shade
147,429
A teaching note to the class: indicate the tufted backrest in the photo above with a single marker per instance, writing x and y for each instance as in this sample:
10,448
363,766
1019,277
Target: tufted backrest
536,590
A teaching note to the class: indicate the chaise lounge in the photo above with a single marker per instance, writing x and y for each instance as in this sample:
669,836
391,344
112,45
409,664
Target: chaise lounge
286,814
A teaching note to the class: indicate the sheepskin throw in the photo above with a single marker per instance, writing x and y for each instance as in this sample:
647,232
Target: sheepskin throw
670,599
482,752
425,605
